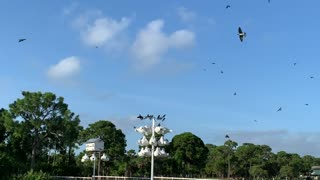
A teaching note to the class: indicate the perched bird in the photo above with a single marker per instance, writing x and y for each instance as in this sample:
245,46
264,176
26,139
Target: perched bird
140,117
280,109
228,6
234,93
20,40
147,116
227,136
241,34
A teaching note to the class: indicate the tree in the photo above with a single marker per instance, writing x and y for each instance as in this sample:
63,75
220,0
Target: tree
41,120
114,142
189,152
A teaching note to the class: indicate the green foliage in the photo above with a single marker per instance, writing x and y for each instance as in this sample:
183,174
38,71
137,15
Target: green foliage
189,153
33,175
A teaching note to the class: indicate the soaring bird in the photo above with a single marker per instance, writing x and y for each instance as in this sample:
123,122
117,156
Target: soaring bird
20,40
227,136
228,6
280,109
241,34
140,117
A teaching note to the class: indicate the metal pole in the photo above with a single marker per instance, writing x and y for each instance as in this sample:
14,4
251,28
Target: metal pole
94,168
152,150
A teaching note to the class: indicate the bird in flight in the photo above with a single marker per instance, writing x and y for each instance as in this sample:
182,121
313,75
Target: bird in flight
294,64
241,34
234,93
221,72
227,136
311,77
306,104
280,109
213,63
228,6
20,40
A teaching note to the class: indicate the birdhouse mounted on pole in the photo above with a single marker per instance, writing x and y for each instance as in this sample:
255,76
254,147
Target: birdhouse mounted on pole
94,144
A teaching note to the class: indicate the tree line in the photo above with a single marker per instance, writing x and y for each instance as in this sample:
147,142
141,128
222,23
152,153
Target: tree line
39,132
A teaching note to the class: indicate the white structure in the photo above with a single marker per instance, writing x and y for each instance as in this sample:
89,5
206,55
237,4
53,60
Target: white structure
93,146
156,144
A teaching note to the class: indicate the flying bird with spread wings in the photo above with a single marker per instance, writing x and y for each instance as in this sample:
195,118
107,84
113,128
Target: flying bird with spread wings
23,39
241,34
228,6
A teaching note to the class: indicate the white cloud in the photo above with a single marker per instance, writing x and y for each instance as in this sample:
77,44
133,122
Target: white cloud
65,68
100,30
186,15
152,43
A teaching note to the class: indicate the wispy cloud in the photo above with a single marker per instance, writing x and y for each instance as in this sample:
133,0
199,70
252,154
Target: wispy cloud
152,43
186,15
98,30
69,9
65,68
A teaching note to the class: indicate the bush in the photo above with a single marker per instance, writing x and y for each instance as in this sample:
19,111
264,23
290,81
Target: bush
32,175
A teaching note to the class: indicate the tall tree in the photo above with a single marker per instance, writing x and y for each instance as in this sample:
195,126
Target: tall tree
41,118
189,152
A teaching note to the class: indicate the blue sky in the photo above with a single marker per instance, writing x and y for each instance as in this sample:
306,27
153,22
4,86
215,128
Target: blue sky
115,59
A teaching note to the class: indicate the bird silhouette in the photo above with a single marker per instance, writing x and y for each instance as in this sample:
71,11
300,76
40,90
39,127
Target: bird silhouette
221,72
140,117
294,64
227,136
20,40
234,93
241,34
158,117
164,116
280,109
228,6
306,104
213,63
269,1
311,77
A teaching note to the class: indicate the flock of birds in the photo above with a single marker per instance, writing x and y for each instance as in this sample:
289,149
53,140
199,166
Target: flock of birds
242,34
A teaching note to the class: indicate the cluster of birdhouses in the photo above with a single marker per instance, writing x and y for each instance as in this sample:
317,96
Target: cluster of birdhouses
156,140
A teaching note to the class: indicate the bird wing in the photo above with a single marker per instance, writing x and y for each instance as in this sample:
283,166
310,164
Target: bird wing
240,30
